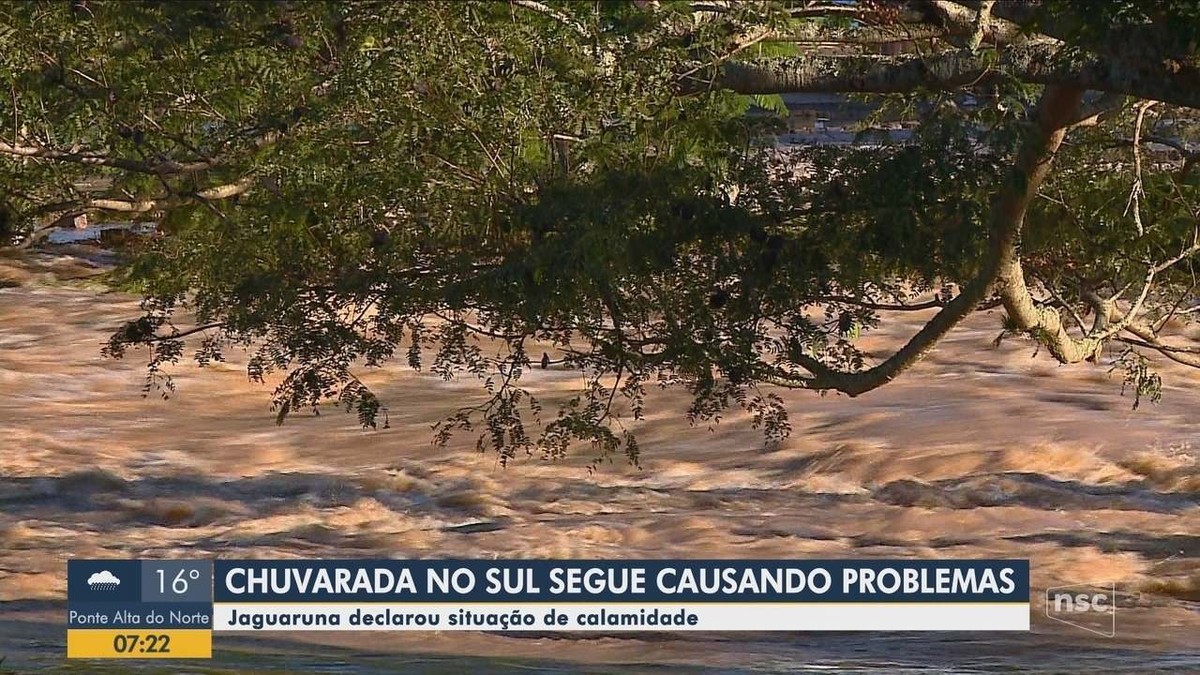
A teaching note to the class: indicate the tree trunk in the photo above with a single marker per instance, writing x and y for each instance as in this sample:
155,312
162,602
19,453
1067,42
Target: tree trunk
1055,113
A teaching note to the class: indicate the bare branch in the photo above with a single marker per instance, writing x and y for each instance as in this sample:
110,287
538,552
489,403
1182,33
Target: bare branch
1136,193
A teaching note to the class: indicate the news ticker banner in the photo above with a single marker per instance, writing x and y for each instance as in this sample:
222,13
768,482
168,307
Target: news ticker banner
170,608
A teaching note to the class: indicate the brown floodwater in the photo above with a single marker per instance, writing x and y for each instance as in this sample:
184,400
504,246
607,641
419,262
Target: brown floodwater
978,451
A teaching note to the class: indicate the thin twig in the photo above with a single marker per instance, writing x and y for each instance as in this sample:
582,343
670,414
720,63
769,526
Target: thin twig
1136,194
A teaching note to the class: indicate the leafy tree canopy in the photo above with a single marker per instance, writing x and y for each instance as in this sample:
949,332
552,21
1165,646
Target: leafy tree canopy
339,184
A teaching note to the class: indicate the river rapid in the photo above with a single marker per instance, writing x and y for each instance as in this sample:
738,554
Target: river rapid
979,451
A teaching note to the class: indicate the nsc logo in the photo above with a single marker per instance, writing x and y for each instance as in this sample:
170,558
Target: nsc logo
1090,607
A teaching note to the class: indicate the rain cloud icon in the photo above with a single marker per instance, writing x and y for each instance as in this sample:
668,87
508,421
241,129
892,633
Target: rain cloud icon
103,581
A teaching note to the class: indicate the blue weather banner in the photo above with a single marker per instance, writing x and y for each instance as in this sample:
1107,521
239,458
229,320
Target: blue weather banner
142,609
548,595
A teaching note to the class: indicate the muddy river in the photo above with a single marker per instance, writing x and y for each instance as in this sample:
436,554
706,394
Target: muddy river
978,452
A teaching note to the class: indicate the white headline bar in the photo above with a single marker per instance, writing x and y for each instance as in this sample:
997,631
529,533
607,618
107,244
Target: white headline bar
623,617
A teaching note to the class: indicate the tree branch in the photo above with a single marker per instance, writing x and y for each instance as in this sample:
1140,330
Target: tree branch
815,33
882,306
146,205
167,167
983,20
904,14
974,26
184,333
1093,112
1149,340
1037,62
1045,323
1135,309
1054,113
546,10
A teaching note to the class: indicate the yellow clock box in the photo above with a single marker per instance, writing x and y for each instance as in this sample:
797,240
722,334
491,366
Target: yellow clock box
127,643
